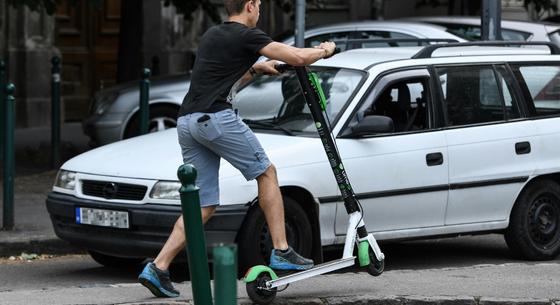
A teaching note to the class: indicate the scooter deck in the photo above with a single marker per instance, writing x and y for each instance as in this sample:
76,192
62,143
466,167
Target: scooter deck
317,270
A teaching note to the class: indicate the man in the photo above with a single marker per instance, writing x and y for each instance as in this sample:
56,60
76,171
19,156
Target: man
209,129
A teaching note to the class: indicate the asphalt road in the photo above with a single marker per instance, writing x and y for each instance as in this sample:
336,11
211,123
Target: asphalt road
465,266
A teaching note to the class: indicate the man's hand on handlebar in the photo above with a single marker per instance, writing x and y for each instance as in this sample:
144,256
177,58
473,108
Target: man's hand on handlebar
329,48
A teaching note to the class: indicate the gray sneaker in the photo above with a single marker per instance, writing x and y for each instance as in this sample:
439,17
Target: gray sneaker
289,260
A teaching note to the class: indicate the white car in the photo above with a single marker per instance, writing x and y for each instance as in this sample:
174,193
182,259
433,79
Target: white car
471,146
469,28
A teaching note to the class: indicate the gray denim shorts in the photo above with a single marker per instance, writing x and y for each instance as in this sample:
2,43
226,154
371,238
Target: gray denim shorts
206,137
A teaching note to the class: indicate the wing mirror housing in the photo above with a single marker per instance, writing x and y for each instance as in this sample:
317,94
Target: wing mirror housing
373,124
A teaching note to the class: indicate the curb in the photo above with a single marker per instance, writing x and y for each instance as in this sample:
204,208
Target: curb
377,300
46,246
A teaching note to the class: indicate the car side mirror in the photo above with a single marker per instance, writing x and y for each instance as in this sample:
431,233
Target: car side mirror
373,124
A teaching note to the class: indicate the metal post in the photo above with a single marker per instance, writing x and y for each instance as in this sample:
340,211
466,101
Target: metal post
144,97
55,113
2,86
196,246
225,274
300,23
8,217
491,20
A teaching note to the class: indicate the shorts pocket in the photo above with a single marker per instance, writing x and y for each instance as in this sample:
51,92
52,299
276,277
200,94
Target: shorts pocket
209,129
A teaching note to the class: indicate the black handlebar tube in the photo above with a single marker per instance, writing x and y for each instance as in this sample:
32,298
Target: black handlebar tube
312,100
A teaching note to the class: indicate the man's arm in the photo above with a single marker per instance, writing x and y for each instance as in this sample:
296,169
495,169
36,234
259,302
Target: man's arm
297,56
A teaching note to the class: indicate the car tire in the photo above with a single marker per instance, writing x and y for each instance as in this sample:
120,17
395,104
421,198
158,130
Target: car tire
534,228
161,117
254,240
116,262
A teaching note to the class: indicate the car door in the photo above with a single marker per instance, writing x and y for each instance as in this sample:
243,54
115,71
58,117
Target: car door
400,177
489,144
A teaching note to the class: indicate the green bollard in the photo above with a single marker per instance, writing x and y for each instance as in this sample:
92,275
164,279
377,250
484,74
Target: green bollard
2,86
225,274
8,217
55,113
144,97
194,231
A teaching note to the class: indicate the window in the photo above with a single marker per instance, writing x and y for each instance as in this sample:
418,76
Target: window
543,83
405,101
274,102
373,35
473,32
339,38
476,94
364,39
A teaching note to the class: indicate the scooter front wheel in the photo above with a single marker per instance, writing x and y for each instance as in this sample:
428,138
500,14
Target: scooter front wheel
375,267
257,291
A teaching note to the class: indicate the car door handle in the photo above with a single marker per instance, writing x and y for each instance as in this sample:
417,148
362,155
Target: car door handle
522,148
434,159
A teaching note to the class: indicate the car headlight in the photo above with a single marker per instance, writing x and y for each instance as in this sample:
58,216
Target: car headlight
65,179
166,190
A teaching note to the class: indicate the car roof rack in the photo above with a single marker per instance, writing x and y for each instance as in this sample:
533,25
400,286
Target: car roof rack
352,43
427,51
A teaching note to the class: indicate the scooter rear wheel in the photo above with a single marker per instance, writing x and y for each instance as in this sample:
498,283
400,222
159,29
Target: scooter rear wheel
375,267
257,291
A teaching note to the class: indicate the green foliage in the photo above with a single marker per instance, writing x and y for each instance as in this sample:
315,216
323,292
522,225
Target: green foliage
541,6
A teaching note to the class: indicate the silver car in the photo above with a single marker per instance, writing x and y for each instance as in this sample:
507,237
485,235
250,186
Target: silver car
113,114
469,28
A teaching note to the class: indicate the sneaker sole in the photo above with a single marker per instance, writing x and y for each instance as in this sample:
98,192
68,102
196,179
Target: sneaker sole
288,266
157,291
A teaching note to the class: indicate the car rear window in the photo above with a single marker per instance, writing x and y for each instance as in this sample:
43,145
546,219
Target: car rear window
543,84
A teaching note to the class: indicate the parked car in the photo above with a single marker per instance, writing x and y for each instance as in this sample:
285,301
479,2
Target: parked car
469,28
471,148
114,111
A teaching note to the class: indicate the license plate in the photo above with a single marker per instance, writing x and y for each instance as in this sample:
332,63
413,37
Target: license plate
103,218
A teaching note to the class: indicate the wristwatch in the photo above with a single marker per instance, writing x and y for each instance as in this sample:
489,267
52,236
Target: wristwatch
252,71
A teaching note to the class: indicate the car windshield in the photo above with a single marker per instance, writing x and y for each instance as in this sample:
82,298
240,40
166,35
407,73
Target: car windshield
276,102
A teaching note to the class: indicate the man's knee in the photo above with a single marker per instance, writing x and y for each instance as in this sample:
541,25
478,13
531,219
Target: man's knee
269,173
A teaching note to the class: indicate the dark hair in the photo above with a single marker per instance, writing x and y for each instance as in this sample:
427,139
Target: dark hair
234,7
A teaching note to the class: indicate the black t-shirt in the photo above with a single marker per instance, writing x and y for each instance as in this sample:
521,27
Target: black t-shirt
225,53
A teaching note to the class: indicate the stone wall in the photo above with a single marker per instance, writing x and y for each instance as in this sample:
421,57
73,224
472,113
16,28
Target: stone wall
27,43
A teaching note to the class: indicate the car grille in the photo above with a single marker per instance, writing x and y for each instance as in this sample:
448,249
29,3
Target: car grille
113,190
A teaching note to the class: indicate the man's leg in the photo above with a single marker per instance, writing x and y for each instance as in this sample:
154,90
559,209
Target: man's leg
155,276
177,241
270,201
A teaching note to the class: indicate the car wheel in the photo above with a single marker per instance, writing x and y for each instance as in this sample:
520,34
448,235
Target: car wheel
255,242
116,262
534,228
161,118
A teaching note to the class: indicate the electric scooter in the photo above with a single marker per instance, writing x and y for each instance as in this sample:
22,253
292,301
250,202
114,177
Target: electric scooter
261,281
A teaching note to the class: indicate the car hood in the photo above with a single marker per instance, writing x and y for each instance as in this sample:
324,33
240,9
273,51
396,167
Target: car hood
157,156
